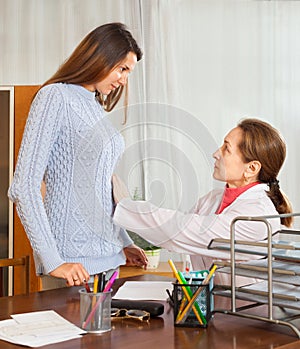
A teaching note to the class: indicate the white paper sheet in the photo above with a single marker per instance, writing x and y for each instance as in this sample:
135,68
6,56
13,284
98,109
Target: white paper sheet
280,289
144,290
38,328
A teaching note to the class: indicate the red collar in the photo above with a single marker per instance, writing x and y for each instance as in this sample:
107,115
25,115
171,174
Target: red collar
230,194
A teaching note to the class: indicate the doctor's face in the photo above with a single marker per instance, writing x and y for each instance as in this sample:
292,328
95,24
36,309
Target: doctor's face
229,164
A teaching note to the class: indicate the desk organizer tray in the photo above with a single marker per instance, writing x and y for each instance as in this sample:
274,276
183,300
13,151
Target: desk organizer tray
258,269
285,296
276,266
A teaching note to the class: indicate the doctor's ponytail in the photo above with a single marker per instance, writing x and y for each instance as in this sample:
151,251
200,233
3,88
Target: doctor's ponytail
263,143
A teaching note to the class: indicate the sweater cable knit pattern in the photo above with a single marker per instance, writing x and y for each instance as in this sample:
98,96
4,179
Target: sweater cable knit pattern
70,145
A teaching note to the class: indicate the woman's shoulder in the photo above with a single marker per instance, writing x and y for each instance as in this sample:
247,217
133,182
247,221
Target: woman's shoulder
58,93
256,199
48,95
255,192
51,91
58,87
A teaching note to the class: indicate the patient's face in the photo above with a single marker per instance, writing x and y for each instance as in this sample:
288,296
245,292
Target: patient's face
229,165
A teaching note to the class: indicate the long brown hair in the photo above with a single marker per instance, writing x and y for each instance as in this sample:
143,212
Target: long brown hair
262,142
95,57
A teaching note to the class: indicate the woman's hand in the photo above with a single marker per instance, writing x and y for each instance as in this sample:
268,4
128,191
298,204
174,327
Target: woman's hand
135,256
74,273
120,190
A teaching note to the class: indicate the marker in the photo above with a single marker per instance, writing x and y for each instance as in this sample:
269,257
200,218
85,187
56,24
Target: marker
110,281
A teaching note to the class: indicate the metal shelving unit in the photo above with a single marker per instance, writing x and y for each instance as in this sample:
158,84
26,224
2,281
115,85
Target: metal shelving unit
277,265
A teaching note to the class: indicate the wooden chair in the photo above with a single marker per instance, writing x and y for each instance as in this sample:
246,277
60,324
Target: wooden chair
23,262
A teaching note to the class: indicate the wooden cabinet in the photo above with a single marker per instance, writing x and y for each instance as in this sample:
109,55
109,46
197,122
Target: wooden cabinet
6,168
21,246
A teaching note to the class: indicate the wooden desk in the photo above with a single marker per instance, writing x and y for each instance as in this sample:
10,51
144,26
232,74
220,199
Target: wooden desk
224,331
163,269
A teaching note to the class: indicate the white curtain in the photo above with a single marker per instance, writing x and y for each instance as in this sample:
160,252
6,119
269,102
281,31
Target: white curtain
206,65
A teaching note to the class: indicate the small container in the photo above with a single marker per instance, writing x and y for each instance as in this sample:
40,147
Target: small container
153,257
95,309
204,302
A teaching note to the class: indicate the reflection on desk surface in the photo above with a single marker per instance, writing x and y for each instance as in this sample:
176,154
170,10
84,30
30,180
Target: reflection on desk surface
117,324
223,331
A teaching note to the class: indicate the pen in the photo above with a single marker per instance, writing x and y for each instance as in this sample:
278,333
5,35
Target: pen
186,292
101,282
87,287
104,280
99,286
185,311
101,299
171,300
110,281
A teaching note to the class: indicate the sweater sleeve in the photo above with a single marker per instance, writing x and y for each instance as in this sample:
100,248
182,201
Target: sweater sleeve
188,233
40,133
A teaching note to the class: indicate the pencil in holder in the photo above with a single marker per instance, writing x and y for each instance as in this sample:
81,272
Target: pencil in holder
201,310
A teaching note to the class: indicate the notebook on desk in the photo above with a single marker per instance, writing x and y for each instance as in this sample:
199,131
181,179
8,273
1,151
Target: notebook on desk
142,295
144,290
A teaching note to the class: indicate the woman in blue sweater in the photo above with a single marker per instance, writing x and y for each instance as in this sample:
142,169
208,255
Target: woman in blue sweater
70,145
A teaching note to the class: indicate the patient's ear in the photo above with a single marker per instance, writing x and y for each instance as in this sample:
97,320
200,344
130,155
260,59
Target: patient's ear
253,168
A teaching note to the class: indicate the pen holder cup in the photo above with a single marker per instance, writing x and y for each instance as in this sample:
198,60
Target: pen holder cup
203,304
95,311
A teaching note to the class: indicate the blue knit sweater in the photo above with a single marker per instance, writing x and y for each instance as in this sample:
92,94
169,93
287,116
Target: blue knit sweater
70,145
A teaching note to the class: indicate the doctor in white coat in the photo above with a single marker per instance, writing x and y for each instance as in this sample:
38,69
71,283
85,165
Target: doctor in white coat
248,162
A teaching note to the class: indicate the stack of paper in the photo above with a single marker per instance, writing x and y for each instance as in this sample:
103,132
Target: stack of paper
38,328
144,290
